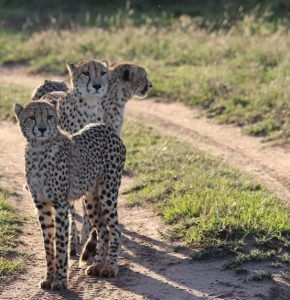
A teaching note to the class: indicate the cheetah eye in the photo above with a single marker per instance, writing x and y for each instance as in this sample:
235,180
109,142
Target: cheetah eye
32,118
103,73
86,73
49,117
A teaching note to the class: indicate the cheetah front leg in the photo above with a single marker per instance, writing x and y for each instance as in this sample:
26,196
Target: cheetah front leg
73,233
45,216
61,257
86,226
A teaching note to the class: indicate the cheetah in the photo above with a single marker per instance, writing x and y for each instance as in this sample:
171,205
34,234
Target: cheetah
125,81
78,106
47,87
61,167
81,105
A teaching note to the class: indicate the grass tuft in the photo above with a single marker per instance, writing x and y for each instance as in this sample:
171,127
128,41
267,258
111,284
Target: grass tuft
262,275
11,259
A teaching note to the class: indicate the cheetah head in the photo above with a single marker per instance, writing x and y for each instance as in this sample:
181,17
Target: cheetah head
37,120
89,77
135,77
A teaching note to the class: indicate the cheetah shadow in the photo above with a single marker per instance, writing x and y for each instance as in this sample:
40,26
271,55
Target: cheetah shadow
148,254
153,269
155,256
149,279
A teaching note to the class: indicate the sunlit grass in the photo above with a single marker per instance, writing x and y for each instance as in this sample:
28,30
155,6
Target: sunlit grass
209,205
11,259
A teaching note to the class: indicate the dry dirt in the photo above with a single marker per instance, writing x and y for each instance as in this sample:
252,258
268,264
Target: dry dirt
150,267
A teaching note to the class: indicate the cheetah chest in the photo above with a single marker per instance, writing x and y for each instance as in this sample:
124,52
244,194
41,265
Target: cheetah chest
46,175
93,110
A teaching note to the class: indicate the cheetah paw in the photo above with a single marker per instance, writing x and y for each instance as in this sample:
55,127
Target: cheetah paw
45,284
94,270
59,285
110,271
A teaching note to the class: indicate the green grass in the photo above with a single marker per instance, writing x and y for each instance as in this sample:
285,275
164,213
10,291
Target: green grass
10,94
11,259
238,75
209,205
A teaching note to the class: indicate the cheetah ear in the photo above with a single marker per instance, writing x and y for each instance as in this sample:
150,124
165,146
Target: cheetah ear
126,75
130,74
17,108
54,103
105,63
71,68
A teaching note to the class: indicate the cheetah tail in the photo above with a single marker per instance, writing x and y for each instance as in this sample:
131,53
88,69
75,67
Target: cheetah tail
89,249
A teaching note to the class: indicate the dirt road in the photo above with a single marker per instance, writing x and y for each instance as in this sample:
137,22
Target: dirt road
150,268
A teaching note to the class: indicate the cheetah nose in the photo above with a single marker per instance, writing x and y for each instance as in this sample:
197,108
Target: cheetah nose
97,86
42,129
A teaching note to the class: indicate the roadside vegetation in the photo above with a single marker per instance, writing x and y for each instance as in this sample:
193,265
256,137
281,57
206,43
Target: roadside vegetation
209,205
11,260
10,94
231,58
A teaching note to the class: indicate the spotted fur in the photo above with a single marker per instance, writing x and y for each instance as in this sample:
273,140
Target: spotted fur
47,87
61,167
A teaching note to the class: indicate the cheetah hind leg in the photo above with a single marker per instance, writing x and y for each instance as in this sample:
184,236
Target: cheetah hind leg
110,216
89,249
94,268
